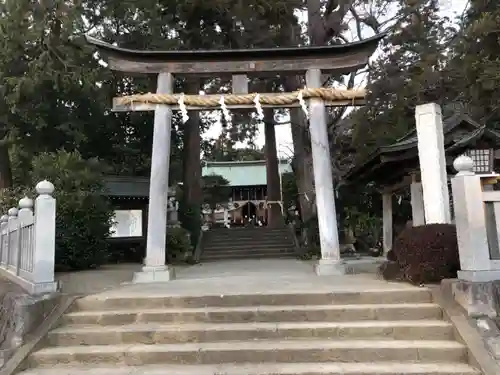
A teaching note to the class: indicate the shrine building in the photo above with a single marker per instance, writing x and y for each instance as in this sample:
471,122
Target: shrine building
248,197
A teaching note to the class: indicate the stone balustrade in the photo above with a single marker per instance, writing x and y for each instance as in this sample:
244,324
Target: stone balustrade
477,219
27,242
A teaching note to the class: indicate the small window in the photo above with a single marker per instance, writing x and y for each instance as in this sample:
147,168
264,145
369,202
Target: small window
483,160
127,223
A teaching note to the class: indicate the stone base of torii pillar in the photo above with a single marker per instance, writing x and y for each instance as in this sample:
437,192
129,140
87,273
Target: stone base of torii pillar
154,274
327,267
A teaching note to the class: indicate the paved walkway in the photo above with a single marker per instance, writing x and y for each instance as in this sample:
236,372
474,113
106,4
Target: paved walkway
253,277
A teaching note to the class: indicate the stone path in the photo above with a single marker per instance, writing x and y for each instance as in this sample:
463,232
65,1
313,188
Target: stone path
253,276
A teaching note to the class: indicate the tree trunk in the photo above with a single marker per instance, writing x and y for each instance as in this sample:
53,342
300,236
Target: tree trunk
303,156
301,146
5,166
321,27
275,216
192,153
303,164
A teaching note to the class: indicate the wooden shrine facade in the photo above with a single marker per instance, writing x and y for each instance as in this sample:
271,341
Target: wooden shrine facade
309,61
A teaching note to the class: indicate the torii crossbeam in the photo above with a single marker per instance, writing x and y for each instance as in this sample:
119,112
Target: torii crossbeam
311,61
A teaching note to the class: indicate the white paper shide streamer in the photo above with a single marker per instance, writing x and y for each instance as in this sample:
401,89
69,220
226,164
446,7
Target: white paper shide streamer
182,107
225,111
258,107
303,104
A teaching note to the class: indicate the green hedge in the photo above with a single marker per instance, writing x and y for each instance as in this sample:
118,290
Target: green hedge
84,214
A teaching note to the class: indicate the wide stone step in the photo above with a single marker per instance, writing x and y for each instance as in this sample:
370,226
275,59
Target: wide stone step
249,233
376,296
248,254
246,240
255,352
258,247
259,233
249,229
240,243
317,313
379,368
243,250
175,333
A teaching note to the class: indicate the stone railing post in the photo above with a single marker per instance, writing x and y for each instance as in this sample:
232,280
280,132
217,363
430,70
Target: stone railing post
25,209
25,217
226,217
470,222
45,239
13,239
4,223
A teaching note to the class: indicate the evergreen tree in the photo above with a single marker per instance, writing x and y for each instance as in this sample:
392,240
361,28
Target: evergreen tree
408,73
50,99
474,72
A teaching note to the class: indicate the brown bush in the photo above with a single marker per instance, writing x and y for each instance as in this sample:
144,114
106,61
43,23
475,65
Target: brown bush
427,253
391,256
390,271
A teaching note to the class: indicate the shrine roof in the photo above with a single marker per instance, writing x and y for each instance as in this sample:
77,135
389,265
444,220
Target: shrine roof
129,187
243,53
388,163
340,57
243,173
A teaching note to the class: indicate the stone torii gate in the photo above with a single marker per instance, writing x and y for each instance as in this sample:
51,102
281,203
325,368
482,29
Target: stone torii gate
311,61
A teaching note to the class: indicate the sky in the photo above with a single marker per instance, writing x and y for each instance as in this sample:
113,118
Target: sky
283,132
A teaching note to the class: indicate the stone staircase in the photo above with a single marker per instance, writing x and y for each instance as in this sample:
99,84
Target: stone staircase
246,243
393,332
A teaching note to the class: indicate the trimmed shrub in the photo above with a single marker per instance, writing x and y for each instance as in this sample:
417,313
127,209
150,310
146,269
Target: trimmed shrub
84,214
178,244
190,218
425,254
391,256
390,271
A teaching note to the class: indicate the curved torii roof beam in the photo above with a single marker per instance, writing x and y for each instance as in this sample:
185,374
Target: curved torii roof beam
338,59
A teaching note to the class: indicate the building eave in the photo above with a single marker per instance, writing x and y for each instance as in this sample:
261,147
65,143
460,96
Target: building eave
408,146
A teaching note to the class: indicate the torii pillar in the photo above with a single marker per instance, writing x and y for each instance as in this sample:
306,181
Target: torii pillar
330,262
155,267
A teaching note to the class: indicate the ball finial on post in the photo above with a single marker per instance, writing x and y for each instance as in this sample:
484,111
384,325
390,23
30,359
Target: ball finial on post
13,212
464,165
26,203
44,188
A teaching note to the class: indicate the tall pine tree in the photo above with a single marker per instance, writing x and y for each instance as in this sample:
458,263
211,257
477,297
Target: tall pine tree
408,73
474,72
